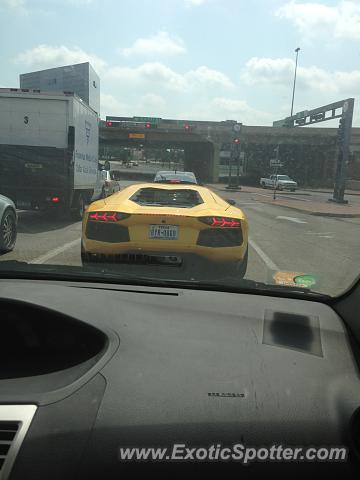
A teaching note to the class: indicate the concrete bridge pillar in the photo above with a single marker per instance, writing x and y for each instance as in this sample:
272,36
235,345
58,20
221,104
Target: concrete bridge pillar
203,159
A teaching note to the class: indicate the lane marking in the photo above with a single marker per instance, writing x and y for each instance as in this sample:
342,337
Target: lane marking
290,219
321,234
54,252
267,260
281,195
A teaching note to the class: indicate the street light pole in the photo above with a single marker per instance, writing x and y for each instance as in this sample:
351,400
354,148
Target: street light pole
293,93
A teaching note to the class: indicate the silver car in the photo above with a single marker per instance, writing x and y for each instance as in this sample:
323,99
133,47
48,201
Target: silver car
8,224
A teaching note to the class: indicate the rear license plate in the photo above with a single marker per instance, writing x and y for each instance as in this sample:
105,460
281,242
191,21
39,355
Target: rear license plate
23,204
164,232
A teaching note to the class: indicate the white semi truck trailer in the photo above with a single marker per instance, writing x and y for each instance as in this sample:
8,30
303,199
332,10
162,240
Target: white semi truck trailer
48,151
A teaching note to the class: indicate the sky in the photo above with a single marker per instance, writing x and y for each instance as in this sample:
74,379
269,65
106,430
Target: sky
192,59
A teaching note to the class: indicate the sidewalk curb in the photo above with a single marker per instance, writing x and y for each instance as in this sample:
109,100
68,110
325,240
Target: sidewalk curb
316,214
298,209
330,192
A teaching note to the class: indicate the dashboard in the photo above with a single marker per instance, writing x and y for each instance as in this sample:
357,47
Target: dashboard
88,368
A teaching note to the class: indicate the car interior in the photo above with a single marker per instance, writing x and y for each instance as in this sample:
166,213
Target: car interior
100,365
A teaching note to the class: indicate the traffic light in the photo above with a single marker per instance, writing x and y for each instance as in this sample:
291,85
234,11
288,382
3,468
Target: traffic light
341,131
237,141
187,127
109,124
147,125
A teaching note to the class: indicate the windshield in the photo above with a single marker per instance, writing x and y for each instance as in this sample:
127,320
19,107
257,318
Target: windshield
225,161
175,177
167,198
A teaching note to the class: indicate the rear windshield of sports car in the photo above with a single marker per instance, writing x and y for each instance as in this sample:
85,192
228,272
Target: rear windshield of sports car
184,198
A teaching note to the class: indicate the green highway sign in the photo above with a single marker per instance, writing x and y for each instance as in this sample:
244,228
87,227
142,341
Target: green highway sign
147,119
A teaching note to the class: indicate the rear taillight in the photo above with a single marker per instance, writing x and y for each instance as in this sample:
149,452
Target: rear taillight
108,216
221,222
55,199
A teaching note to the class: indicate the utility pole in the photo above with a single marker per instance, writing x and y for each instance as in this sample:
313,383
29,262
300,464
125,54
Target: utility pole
293,92
235,154
276,168
344,137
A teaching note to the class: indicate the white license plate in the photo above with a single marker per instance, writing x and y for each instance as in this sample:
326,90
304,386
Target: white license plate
23,204
164,232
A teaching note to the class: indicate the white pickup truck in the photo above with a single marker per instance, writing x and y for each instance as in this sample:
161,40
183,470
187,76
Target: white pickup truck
280,182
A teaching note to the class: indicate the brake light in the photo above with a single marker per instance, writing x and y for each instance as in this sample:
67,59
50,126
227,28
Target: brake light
175,181
221,222
108,216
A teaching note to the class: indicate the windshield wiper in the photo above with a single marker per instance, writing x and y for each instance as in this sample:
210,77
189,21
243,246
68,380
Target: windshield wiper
16,269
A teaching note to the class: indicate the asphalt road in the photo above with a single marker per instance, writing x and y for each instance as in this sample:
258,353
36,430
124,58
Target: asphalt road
280,239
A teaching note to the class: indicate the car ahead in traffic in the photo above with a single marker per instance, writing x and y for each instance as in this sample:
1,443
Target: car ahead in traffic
8,222
280,182
111,184
174,176
177,225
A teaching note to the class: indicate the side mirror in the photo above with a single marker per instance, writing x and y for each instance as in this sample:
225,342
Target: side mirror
107,165
231,202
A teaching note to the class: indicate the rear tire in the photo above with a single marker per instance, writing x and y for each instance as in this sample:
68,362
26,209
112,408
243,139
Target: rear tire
236,270
77,212
8,231
241,266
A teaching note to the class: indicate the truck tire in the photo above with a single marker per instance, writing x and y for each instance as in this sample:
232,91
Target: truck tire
8,231
77,212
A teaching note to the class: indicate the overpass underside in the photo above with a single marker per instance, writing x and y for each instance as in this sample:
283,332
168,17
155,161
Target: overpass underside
307,154
201,155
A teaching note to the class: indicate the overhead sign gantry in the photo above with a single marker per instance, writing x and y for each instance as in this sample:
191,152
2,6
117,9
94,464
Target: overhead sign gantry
343,110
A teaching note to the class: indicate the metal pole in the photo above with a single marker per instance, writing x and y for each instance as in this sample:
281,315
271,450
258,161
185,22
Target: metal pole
293,93
276,169
343,152
230,167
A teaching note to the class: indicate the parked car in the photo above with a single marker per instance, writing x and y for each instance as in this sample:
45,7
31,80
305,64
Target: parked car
280,182
8,224
131,164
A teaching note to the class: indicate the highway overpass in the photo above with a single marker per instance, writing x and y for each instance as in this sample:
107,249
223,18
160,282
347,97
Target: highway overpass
309,152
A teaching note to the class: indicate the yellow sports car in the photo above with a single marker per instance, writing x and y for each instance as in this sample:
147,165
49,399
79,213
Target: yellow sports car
187,226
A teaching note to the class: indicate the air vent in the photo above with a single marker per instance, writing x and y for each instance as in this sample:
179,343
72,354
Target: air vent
8,431
14,423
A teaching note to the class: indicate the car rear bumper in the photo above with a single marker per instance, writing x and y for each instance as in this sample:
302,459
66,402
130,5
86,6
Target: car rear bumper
161,265
208,254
